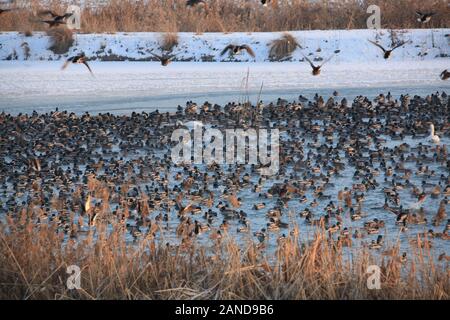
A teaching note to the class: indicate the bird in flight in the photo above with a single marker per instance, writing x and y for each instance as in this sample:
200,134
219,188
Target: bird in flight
445,75
7,10
316,69
193,3
56,19
265,3
424,17
78,59
388,53
164,59
237,49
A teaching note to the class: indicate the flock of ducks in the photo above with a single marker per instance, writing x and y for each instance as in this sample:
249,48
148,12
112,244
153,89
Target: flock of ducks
84,172
51,161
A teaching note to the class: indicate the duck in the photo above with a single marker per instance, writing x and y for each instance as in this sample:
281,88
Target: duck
316,69
237,49
388,53
193,3
164,59
445,75
78,59
424,17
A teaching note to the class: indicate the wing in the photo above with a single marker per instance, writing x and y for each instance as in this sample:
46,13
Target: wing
399,45
379,46
47,12
249,50
310,62
66,64
327,60
226,49
156,56
419,13
67,15
87,65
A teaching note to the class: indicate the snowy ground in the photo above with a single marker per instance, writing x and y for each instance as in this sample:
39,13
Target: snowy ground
37,83
423,44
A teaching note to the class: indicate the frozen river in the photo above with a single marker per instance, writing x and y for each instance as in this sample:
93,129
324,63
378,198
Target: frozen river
123,87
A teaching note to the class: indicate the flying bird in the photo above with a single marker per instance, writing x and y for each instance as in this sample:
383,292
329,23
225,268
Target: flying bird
78,59
165,59
387,53
445,75
193,3
265,3
424,17
237,49
55,16
7,10
316,69
56,19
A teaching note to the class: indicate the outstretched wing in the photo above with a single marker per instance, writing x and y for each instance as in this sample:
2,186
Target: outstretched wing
399,45
379,46
87,65
66,64
419,13
48,12
67,15
228,47
249,50
327,60
310,62
156,56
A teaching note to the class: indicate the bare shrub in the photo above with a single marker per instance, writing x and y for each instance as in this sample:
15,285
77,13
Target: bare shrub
283,47
169,41
61,40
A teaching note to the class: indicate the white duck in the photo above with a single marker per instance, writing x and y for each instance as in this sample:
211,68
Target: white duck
433,137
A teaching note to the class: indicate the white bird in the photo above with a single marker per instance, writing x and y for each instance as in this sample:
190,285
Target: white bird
433,137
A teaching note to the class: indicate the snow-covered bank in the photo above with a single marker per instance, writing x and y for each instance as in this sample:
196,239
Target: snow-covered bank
353,45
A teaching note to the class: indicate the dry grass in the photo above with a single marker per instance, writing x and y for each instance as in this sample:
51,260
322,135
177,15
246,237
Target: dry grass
169,41
34,258
232,16
283,47
61,40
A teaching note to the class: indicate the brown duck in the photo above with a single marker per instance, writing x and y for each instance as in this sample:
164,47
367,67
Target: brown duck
387,53
165,59
236,49
316,69
78,59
